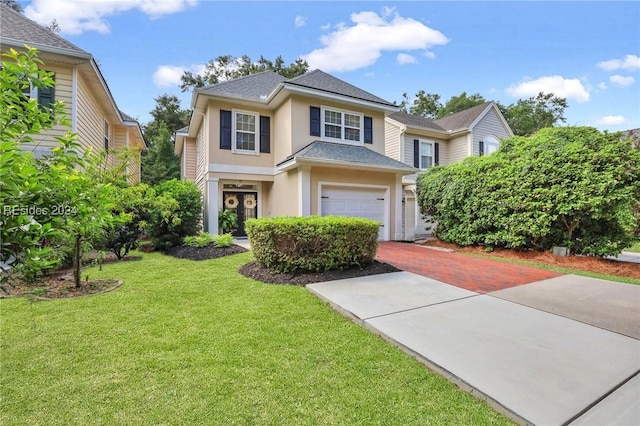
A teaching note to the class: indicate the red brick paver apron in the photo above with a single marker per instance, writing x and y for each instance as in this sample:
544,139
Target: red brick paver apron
471,273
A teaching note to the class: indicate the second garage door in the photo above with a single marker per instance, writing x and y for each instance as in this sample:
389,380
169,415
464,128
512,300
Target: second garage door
369,203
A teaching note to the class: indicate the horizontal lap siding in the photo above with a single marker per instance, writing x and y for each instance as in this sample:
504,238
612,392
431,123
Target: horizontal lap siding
190,160
392,137
90,120
458,149
490,124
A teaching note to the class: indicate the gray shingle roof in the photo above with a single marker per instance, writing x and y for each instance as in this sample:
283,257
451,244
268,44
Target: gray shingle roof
14,25
357,155
320,80
415,121
462,119
253,86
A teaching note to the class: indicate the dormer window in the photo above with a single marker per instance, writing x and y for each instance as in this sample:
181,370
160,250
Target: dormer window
342,125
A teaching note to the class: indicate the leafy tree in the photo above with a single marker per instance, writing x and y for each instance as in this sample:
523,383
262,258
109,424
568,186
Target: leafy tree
226,67
159,163
527,116
426,105
460,103
13,4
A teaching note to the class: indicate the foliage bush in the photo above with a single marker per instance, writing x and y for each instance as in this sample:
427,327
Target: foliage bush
570,186
224,240
294,244
204,239
176,214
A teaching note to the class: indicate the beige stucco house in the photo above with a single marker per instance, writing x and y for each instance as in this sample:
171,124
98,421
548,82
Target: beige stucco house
263,145
423,143
89,104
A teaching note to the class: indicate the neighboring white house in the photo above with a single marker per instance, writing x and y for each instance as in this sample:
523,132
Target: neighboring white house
422,143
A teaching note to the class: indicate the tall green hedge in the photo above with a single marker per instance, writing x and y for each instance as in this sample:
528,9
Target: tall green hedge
314,243
570,186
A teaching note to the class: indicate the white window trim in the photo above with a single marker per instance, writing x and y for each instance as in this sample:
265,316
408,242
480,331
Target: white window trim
433,152
341,140
234,149
106,129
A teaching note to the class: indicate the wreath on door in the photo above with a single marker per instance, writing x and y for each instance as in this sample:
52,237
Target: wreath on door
249,202
231,201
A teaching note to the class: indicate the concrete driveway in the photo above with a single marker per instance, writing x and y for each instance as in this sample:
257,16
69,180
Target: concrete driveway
559,350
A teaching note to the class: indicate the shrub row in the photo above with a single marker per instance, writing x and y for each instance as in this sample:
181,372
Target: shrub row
314,243
568,186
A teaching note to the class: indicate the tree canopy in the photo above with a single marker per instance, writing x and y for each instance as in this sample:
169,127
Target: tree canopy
226,67
525,117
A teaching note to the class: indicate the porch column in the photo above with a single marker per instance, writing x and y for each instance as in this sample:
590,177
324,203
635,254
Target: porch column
397,207
304,191
212,205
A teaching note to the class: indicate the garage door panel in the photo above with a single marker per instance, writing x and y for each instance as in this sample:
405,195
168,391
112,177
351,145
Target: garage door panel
369,203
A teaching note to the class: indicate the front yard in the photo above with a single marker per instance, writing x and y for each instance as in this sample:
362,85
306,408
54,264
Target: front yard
185,342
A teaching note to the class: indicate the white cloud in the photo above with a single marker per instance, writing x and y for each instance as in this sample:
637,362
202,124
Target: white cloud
170,75
611,120
300,21
621,80
404,58
602,85
78,16
350,47
570,88
325,27
628,63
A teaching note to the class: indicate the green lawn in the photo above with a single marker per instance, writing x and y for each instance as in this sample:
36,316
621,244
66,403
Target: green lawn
634,248
185,342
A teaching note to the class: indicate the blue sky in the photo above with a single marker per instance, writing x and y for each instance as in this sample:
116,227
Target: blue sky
587,52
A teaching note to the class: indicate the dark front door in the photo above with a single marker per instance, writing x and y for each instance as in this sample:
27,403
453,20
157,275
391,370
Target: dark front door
244,204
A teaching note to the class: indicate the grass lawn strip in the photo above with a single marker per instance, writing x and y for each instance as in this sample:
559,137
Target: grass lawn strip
184,342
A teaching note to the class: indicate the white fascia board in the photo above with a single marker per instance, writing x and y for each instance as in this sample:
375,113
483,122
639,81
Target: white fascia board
335,97
297,162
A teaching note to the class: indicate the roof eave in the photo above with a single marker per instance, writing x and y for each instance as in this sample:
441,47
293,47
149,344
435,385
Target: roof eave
85,56
297,162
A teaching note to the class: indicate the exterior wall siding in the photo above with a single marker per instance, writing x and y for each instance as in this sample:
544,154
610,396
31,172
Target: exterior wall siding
458,149
392,138
90,123
189,160
490,124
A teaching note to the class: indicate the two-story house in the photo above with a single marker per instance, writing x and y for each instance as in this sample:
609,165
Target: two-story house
89,104
263,145
422,143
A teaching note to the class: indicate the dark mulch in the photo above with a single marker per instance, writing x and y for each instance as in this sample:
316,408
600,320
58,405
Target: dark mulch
252,270
203,253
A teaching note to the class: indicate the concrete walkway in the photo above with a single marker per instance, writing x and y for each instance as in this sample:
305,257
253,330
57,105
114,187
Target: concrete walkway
559,350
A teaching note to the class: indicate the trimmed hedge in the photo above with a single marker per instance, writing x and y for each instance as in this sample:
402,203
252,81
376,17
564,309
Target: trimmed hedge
313,243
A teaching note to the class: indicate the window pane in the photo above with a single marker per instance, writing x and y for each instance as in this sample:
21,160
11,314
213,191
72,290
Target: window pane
245,141
425,149
246,122
332,117
333,131
352,120
425,161
352,134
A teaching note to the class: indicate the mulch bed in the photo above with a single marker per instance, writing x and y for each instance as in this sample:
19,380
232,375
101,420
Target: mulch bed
254,271
582,263
203,253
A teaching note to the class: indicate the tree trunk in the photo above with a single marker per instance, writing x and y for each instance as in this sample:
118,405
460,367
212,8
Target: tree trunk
76,261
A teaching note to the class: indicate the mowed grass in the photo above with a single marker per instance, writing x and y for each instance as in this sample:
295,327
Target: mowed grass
184,342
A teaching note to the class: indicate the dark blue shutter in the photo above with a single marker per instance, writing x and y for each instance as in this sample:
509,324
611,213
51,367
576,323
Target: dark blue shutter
368,130
46,95
265,134
314,113
481,148
436,154
416,153
225,129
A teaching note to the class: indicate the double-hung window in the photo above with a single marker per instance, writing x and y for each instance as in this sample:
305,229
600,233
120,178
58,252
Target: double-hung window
245,131
44,95
426,154
342,125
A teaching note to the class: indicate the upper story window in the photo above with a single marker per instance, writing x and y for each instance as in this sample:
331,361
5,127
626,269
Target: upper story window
44,95
245,131
106,135
342,125
426,154
488,145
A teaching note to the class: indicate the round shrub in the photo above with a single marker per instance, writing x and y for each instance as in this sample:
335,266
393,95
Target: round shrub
312,244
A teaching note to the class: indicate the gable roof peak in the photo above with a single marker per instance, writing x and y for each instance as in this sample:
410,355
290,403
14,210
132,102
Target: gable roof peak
463,119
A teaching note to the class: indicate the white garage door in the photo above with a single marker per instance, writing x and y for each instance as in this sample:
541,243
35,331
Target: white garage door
369,203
